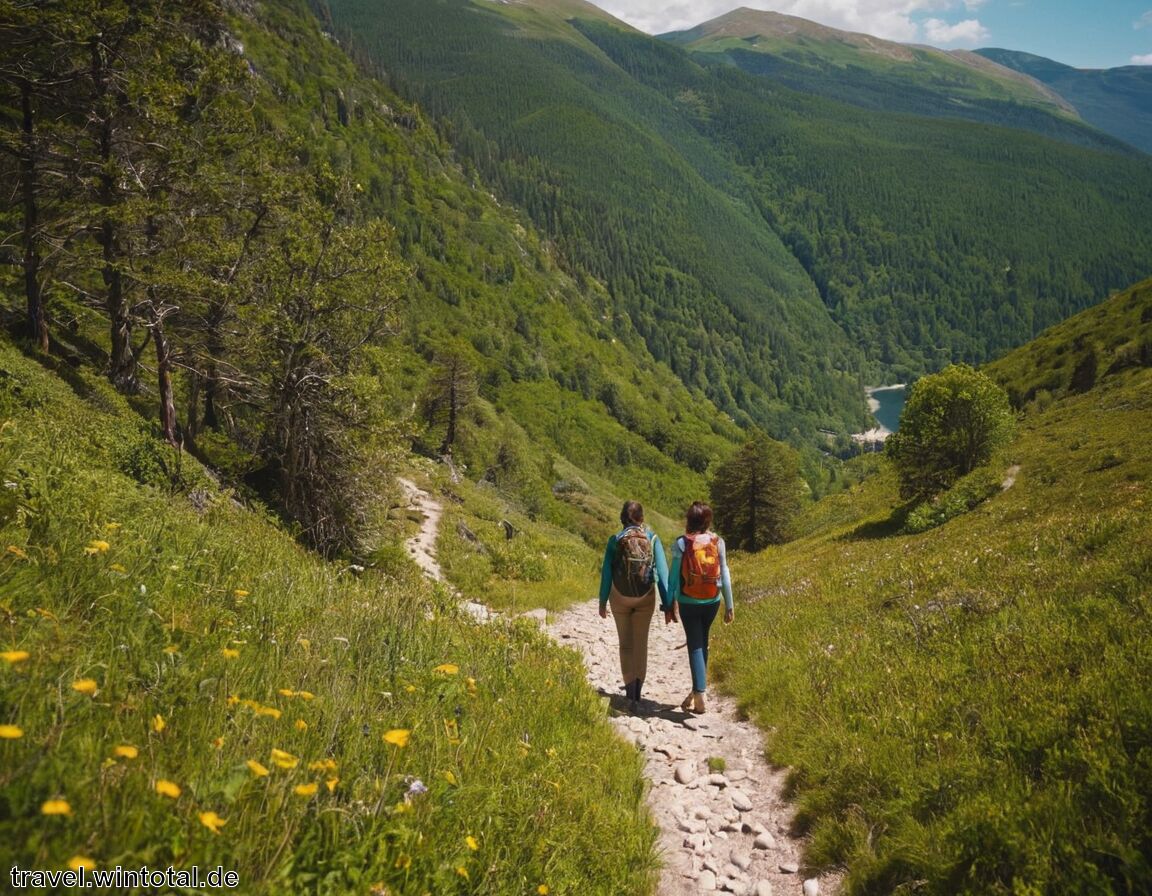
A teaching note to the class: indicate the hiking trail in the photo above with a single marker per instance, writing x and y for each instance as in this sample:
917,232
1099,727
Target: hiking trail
720,831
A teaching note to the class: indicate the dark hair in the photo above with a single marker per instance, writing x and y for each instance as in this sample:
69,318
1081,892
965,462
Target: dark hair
699,518
632,514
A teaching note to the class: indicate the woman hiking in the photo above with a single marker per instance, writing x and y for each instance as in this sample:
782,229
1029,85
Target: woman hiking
634,569
699,578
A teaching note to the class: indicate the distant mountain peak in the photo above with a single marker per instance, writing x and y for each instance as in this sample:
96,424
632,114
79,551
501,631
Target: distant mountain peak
749,24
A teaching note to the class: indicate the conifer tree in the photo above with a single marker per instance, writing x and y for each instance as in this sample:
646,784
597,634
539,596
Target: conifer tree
756,494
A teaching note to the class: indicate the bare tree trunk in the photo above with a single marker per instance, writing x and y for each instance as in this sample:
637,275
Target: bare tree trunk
164,378
122,368
37,322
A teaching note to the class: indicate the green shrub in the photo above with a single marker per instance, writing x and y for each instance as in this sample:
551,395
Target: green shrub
968,493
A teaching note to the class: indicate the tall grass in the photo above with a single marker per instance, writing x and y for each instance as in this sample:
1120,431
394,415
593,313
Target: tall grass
969,710
181,684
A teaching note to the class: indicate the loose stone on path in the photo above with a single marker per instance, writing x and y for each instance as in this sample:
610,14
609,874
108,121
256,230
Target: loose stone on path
716,827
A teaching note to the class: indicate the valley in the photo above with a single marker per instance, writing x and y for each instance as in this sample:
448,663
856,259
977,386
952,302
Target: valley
334,335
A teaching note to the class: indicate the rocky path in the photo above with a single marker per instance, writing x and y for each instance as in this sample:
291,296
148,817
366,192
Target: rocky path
422,546
721,831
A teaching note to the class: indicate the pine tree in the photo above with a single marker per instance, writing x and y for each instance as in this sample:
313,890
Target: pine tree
756,494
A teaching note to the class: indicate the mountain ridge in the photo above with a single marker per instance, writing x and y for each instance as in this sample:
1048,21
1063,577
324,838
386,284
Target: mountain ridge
1116,100
781,31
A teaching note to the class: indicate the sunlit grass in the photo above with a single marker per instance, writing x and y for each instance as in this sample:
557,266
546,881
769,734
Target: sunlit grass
181,684
967,710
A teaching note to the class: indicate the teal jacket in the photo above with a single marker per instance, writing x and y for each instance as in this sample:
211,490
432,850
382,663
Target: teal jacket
658,558
674,584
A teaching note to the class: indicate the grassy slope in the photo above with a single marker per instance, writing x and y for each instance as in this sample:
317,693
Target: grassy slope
181,606
967,710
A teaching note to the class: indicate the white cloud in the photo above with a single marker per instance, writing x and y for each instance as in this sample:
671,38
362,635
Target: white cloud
969,32
897,20
1145,21
1142,60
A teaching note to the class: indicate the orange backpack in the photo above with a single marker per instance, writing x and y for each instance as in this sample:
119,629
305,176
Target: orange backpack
700,567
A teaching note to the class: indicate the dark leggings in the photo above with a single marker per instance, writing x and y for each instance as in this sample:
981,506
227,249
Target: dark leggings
697,619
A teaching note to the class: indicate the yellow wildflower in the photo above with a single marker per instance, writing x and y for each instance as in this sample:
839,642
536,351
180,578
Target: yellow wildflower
398,737
472,842
282,759
17,551
404,861
462,871
306,789
77,862
125,751
167,788
331,784
305,695
240,592
471,683
450,778
543,890
410,688
11,732
322,765
85,686
447,669
96,547
305,643
232,700
230,653
267,711
257,769
117,567
212,821
218,742
171,650
14,656
158,723
56,807
301,725
286,692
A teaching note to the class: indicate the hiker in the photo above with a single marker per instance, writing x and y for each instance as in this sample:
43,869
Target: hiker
634,569
699,578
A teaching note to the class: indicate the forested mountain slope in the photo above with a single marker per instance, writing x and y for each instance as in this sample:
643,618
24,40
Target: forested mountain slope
633,195
454,330
1118,101
538,348
927,240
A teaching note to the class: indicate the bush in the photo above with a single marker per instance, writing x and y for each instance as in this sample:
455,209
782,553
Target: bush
951,424
967,494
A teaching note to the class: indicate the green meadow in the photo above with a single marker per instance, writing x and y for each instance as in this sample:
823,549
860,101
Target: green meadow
967,709
182,685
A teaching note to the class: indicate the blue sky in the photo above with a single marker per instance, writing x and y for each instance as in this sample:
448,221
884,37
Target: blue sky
1082,33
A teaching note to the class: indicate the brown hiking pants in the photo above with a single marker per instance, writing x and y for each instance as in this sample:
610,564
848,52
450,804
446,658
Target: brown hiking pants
633,616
